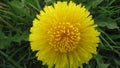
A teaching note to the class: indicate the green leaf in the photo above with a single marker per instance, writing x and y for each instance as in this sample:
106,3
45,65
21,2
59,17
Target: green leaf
108,22
115,37
49,2
117,61
103,65
19,8
4,40
92,3
19,37
95,3
100,62
10,60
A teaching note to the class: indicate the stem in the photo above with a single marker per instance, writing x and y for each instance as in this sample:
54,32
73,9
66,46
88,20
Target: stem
68,60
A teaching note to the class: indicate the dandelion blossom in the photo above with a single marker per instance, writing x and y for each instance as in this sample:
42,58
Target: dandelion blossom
64,35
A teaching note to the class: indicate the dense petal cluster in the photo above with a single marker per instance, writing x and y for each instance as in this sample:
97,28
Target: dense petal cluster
64,35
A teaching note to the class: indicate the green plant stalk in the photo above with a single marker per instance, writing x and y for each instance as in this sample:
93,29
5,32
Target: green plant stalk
117,52
107,36
9,13
32,6
9,25
17,51
2,4
38,5
22,58
68,60
10,59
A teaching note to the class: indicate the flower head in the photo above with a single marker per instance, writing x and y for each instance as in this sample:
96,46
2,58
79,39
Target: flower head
64,35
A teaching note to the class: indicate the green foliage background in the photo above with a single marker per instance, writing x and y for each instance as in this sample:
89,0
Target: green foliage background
16,18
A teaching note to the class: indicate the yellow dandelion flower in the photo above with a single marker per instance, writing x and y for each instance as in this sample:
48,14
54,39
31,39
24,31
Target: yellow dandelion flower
64,35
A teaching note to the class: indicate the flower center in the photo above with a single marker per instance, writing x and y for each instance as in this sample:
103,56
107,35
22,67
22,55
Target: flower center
64,37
